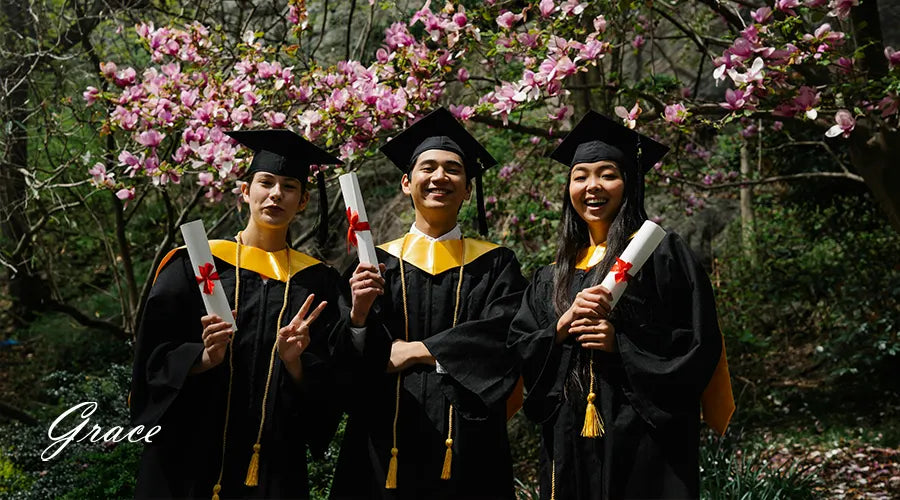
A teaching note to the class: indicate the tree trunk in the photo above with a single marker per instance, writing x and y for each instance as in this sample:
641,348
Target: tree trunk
748,238
874,157
26,290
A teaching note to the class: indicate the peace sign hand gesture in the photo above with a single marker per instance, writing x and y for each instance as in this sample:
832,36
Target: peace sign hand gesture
293,339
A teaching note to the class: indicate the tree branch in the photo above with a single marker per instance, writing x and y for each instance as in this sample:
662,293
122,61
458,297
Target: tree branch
769,180
515,127
85,320
730,17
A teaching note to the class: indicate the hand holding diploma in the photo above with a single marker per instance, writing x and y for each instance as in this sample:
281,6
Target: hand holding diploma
586,317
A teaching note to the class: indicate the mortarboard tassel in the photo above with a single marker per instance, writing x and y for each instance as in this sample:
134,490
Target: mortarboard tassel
391,482
479,200
216,489
448,455
322,234
253,469
593,424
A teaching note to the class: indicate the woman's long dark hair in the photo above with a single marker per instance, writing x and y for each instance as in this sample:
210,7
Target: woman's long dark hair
574,236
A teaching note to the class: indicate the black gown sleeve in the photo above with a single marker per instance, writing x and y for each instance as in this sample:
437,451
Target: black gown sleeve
474,353
670,351
168,343
532,337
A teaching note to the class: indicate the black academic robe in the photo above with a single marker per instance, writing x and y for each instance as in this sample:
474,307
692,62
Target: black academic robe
480,375
184,458
648,393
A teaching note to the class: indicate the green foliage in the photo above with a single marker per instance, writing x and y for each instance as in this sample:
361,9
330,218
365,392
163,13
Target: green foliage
82,469
728,471
826,276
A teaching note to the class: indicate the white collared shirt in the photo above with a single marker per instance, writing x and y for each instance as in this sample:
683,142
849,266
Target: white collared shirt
358,334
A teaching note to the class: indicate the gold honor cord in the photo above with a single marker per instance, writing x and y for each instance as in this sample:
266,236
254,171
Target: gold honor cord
391,482
253,469
553,479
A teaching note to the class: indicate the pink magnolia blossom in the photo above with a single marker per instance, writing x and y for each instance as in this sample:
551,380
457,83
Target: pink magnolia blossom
267,70
675,113
98,173
629,117
205,178
638,41
787,6
150,138
754,74
807,99
762,15
462,112
572,7
561,114
889,105
125,194
592,50
124,77
844,124
735,99
600,24
845,65
507,19
841,8
892,56
241,115
90,95
460,18
108,69
462,75
546,7
275,119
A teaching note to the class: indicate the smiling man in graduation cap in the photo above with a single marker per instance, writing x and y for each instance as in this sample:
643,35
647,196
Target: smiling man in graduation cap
642,367
428,406
239,406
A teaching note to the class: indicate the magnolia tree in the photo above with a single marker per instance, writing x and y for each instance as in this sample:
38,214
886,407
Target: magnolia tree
693,74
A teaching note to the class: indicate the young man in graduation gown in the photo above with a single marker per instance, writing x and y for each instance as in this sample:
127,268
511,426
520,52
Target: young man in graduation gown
643,367
432,372
239,406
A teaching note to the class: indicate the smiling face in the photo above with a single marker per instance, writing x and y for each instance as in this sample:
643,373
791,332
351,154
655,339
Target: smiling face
596,191
437,182
274,199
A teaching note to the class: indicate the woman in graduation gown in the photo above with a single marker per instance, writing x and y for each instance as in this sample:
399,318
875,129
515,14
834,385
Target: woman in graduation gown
238,407
643,366
432,372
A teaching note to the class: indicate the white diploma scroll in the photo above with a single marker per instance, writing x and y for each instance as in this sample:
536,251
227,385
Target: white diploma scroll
358,234
632,259
205,271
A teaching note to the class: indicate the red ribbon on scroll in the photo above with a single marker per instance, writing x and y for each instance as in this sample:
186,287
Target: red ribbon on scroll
206,278
355,225
621,269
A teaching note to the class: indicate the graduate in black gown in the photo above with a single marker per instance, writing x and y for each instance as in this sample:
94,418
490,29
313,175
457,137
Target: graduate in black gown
238,408
428,350
645,364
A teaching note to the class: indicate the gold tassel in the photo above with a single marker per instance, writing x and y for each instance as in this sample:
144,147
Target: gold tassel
448,458
253,469
216,489
593,425
391,482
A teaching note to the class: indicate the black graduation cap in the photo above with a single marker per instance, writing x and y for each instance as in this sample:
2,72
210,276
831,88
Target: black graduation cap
283,152
440,130
598,137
